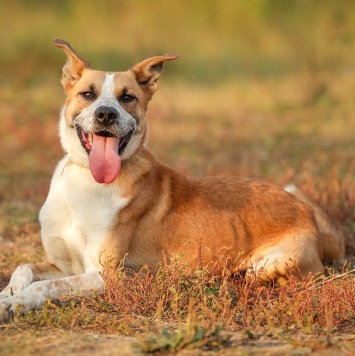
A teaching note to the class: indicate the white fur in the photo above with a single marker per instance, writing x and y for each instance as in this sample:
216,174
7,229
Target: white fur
20,279
76,217
132,146
290,188
70,142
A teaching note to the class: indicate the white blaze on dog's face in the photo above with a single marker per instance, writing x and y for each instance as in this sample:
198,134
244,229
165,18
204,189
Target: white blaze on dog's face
103,121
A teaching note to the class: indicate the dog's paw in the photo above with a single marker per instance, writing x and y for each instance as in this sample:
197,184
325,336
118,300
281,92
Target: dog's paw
4,312
20,280
9,307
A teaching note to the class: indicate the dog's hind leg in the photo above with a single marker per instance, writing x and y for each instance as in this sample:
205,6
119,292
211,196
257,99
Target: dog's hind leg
297,254
331,237
24,275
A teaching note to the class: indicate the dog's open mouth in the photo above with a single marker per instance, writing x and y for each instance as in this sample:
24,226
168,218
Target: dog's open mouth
104,150
87,139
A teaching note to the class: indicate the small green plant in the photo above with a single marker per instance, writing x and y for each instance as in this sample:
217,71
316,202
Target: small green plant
190,334
190,337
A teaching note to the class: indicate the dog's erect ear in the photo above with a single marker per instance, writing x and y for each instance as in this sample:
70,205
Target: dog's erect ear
74,66
149,71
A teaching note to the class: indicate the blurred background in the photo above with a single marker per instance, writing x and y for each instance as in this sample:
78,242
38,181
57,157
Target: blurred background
262,88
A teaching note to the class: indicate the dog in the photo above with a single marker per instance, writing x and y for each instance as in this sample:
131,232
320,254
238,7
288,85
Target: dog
109,196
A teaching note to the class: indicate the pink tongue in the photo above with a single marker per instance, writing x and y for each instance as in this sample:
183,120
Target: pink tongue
105,163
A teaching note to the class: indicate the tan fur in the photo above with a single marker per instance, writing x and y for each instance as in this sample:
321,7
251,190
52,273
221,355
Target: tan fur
210,218
149,211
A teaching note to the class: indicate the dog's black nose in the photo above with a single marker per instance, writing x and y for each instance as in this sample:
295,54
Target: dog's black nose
106,115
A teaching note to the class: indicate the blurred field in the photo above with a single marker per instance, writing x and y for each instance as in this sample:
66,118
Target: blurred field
262,89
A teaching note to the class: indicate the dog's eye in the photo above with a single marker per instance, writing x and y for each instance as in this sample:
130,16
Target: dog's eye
88,95
127,98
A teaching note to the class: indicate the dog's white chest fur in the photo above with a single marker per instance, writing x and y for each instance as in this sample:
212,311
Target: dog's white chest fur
76,218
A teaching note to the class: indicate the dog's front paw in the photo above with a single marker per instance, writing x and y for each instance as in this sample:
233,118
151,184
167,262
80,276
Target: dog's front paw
4,311
10,306
20,280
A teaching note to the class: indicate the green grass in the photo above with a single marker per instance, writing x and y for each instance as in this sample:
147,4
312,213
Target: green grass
263,89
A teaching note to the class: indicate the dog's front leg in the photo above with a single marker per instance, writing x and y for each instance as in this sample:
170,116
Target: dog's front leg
39,292
24,275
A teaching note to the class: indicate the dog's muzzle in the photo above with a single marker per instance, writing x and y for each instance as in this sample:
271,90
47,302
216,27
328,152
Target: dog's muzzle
104,146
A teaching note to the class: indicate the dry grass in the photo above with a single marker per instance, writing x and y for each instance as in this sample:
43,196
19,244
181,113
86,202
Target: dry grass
175,308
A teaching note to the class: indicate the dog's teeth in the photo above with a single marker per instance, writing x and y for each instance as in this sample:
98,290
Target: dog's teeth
91,139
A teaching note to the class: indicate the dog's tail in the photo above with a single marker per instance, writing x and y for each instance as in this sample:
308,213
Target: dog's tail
331,236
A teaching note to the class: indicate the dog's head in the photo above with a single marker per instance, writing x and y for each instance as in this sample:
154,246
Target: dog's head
103,121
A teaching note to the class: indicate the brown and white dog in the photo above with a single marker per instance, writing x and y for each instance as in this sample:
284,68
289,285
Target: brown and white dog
110,197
